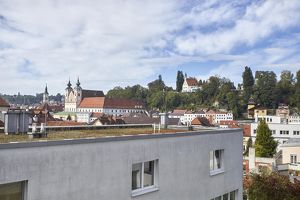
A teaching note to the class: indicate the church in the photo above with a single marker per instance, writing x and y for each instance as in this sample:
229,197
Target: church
82,101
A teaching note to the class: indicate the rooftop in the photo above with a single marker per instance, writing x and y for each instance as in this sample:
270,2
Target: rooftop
100,133
61,138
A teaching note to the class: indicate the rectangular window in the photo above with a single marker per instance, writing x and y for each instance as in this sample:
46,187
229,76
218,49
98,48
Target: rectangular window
293,159
254,131
144,177
273,132
13,191
296,132
216,161
227,196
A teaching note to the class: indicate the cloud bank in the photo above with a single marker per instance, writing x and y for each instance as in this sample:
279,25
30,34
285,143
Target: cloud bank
114,42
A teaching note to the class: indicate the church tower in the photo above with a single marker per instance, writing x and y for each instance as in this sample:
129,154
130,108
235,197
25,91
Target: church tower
46,95
78,93
68,91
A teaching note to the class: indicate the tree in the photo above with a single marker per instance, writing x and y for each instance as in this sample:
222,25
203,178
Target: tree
179,81
284,88
296,97
272,186
265,145
264,89
249,144
248,82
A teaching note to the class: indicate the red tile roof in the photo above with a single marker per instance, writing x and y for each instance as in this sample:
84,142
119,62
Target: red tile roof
102,102
123,103
178,111
201,121
192,82
92,102
3,103
64,123
96,114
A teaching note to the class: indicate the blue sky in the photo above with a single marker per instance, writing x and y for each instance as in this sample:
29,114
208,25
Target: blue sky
112,43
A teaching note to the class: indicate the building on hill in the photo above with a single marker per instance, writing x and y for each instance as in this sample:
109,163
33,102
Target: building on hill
190,85
82,102
74,96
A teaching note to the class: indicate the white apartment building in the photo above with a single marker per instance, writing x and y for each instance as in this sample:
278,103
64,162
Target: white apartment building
174,166
281,129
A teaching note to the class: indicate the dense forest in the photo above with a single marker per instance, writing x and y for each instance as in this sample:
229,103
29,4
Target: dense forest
263,87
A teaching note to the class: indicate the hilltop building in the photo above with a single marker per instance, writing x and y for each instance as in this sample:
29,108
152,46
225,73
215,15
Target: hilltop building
190,85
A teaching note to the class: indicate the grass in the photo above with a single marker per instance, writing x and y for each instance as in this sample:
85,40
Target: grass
76,134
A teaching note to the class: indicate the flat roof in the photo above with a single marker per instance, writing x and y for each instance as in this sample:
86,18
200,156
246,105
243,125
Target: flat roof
111,138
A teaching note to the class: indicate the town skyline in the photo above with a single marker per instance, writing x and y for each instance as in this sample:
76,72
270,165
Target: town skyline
103,42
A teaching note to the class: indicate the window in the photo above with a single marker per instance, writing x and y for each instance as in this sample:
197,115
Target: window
284,132
144,177
227,196
254,131
296,132
13,191
273,132
216,161
293,159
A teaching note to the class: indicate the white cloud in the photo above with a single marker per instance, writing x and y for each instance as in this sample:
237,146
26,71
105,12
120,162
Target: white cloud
116,42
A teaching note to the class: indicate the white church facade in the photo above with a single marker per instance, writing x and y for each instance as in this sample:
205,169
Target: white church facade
81,101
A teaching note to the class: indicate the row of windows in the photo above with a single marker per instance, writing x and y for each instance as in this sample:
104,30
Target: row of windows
227,196
282,132
144,174
293,159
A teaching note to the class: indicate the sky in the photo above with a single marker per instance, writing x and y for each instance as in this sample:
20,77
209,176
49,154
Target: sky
109,43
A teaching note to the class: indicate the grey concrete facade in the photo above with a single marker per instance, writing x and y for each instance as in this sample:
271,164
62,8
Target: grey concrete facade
93,169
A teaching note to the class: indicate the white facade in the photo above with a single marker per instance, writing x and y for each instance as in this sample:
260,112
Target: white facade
184,166
280,132
188,117
294,119
189,88
223,117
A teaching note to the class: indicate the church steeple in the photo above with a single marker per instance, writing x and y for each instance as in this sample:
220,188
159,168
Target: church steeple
69,84
78,83
46,95
46,89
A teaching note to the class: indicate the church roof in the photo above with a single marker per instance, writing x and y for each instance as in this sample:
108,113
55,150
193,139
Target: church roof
3,103
92,93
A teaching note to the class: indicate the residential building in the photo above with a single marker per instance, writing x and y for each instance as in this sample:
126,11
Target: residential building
294,119
281,129
246,135
190,85
174,166
283,111
289,163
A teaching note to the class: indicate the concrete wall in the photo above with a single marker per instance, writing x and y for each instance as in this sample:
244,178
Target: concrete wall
93,169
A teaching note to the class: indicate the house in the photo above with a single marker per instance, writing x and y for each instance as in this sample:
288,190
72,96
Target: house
229,124
281,129
200,121
190,85
289,163
283,111
173,166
